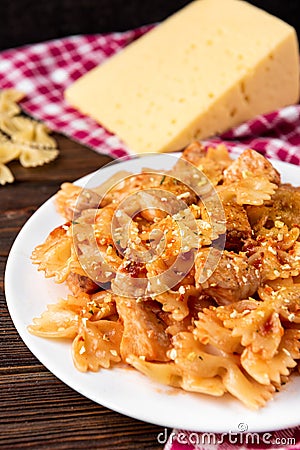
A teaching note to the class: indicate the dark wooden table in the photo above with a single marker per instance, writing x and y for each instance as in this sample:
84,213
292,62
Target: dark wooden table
38,411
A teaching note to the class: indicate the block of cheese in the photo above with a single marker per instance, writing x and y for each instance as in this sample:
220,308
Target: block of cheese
207,68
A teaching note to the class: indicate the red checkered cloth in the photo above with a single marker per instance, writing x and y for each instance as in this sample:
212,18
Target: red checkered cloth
45,70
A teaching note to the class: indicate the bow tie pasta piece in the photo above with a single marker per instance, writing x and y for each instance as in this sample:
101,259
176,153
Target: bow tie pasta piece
6,175
97,345
266,371
7,153
8,102
32,157
23,130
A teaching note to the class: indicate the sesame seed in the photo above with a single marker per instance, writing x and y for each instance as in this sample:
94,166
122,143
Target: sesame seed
183,195
84,321
191,356
279,224
181,290
205,225
172,354
107,274
109,250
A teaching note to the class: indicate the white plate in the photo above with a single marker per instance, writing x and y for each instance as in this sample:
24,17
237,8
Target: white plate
124,390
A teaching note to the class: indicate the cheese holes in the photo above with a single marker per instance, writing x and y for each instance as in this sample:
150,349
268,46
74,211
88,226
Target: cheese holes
233,112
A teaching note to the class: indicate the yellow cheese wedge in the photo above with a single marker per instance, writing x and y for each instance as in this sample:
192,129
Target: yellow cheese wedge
210,66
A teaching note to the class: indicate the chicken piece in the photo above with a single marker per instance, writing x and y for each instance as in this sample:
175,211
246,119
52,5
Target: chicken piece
238,228
168,196
225,276
251,163
144,333
198,303
284,206
79,283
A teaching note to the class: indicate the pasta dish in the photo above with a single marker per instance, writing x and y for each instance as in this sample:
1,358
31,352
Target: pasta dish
190,276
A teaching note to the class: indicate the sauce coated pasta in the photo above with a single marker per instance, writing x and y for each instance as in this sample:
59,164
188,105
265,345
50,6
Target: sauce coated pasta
195,284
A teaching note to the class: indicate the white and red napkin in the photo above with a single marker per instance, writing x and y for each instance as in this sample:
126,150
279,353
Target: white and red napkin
43,71
288,439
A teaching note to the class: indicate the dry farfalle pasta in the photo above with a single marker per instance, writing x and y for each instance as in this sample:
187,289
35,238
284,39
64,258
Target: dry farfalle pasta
8,152
21,137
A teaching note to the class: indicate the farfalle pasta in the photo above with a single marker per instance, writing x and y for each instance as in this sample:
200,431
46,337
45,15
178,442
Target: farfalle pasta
21,137
229,323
